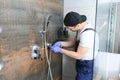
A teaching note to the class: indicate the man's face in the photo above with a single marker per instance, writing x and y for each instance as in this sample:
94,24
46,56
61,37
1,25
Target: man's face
74,28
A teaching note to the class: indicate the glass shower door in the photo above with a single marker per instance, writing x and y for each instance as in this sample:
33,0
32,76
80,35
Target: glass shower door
107,62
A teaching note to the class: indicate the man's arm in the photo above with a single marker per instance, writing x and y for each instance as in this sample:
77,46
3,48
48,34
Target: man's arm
68,43
81,51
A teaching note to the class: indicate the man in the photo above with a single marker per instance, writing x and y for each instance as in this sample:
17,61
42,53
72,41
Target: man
86,44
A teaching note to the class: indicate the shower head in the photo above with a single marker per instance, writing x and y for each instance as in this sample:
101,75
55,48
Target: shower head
48,20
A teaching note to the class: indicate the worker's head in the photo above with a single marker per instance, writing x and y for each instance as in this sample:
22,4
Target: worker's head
73,20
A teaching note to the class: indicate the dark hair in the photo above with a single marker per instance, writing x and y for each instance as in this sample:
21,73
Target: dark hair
73,18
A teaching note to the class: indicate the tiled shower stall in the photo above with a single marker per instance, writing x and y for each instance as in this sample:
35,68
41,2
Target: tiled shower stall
20,24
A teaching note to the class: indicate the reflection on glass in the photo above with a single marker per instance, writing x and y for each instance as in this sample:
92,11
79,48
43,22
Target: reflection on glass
107,62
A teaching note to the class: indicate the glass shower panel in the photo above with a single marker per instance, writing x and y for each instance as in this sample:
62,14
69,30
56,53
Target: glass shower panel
117,29
107,62
112,27
102,23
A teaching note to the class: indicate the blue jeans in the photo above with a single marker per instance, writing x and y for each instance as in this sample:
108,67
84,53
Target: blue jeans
84,69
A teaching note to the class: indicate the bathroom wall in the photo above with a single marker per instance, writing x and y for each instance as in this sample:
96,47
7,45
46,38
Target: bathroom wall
107,62
20,24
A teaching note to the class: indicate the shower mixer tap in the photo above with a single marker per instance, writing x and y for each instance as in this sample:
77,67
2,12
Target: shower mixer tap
36,52
49,44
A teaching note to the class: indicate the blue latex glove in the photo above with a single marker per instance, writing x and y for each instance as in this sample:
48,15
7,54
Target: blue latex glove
55,49
57,44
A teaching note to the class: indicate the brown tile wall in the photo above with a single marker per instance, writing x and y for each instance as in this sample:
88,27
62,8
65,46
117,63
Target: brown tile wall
20,23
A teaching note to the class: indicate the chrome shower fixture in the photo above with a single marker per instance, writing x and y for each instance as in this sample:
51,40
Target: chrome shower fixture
46,45
35,52
49,44
1,65
45,27
46,22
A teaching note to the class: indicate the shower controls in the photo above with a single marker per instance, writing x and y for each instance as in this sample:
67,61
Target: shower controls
49,44
35,52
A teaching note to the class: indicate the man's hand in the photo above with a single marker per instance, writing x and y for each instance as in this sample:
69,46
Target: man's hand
55,49
59,43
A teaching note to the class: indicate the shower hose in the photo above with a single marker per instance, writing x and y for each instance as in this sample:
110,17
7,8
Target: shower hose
48,61
46,46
